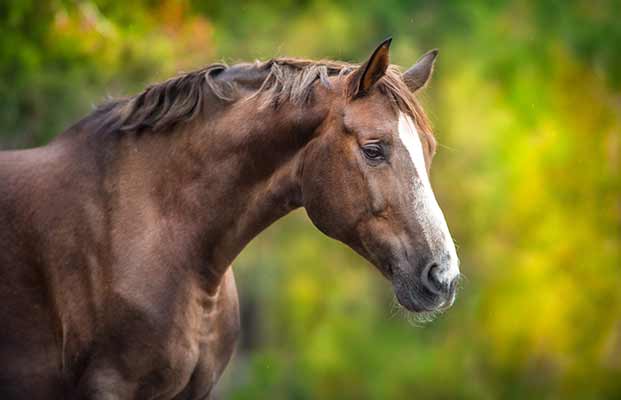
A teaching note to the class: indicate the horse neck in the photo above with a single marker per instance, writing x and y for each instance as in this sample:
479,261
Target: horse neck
223,181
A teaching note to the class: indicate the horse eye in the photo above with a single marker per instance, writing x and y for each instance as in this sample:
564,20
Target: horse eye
373,152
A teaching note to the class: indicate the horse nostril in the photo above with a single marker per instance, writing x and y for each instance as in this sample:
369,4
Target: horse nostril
431,279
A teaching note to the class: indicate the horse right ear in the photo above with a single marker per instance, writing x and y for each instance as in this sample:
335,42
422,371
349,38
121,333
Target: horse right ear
419,74
363,79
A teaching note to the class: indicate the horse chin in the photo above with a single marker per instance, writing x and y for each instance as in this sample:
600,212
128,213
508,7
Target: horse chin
408,302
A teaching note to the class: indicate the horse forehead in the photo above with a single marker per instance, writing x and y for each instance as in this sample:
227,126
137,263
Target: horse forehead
370,116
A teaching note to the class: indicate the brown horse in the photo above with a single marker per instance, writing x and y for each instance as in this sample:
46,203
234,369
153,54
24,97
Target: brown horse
116,238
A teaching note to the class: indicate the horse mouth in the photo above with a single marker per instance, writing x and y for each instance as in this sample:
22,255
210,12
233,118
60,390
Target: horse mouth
411,296
417,299
417,306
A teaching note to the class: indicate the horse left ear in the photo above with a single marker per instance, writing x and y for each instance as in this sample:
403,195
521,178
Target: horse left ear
418,75
371,71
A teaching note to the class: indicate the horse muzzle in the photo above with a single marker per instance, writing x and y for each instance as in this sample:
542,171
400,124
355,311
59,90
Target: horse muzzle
431,287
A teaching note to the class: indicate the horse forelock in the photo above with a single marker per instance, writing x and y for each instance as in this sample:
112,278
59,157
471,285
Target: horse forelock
180,99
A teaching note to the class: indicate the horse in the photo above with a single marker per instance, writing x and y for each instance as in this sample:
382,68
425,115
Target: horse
117,237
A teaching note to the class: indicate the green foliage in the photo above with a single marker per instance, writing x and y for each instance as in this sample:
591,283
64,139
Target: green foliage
527,109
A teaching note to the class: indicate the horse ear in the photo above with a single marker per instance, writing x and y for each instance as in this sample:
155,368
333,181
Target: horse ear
371,71
418,75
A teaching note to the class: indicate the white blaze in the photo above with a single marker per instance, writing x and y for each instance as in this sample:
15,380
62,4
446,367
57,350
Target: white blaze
427,210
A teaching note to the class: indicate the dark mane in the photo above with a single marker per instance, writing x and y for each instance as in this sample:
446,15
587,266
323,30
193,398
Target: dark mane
179,99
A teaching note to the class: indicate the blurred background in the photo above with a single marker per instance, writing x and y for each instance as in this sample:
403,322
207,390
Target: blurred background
526,104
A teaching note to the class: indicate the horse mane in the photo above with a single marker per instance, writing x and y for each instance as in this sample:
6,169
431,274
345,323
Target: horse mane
180,99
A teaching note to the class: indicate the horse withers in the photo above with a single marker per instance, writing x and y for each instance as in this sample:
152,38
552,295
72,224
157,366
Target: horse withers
116,238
